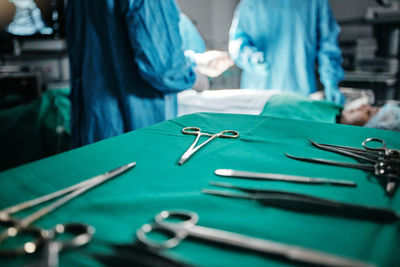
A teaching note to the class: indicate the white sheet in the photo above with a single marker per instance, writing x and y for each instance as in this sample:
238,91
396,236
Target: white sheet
236,101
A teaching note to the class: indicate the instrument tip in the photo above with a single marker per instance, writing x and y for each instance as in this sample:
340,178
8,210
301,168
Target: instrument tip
224,172
130,165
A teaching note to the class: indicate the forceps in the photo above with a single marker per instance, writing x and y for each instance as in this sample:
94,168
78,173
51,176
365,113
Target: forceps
306,203
187,227
197,131
15,226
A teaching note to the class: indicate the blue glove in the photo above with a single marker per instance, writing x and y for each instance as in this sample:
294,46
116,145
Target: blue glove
333,94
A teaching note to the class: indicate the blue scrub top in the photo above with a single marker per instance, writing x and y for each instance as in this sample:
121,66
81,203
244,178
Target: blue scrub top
126,63
277,43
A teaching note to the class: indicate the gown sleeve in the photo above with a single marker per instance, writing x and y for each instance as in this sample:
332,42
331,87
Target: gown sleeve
241,46
154,35
329,53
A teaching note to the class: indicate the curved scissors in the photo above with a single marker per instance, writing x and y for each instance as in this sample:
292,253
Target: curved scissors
197,131
187,227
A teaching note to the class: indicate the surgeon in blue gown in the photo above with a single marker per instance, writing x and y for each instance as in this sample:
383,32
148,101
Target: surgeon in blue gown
127,64
277,44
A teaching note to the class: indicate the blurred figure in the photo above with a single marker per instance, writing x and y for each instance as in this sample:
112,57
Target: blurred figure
127,65
358,116
386,117
278,43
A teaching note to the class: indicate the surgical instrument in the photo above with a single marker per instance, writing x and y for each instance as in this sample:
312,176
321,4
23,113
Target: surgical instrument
187,227
372,155
367,154
197,131
281,177
381,169
382,162
16,226
306,203
382,148
53,244
137,255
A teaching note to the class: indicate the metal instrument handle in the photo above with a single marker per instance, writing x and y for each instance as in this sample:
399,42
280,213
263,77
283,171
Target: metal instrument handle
368,140
192,131
174,229
228,134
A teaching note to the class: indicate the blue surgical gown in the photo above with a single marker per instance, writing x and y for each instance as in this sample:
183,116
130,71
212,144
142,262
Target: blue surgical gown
191,38
126,63
277,43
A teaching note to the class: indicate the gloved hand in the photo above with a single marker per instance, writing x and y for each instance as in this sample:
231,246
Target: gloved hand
213,63
201,82
260,65
333,94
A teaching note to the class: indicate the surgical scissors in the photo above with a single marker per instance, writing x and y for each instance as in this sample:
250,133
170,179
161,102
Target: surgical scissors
197,131
383,162
378,155
187,227
382,166
382,148
53,245
15,226
369,154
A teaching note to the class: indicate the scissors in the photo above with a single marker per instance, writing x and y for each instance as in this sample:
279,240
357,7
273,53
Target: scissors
15,226
381,161
368,154
52,245
388,151
187,227
197,131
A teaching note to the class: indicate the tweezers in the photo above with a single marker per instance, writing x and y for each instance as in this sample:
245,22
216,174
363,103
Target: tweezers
305,203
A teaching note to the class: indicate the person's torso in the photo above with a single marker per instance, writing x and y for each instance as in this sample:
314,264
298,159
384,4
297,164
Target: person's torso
102,62
287,32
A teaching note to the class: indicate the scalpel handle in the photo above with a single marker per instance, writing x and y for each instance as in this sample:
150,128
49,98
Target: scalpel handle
282,177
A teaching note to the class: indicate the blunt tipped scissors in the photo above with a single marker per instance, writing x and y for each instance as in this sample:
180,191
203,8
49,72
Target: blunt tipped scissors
15,226
187,227
197,131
